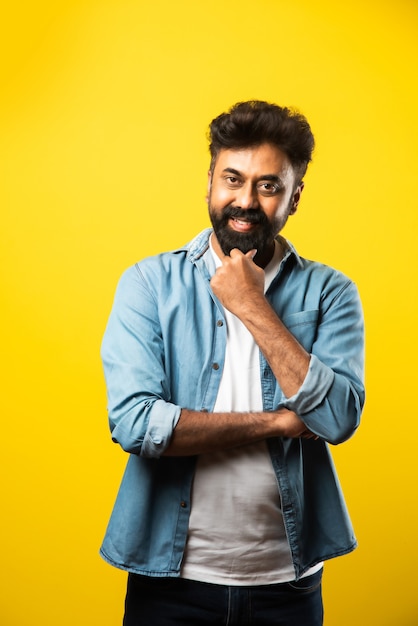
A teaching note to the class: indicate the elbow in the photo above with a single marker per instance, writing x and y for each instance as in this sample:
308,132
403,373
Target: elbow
336,422
345,422
343,433
125,439
144,430
145,447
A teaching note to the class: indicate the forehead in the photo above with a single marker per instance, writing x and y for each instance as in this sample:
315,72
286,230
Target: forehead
255,161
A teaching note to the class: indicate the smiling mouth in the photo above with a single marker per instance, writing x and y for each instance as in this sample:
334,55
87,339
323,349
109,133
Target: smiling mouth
242,226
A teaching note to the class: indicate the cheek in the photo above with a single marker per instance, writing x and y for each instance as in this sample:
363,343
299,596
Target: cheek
284,206
273,210
220,197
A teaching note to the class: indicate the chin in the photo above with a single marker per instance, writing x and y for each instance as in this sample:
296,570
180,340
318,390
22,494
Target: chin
244,243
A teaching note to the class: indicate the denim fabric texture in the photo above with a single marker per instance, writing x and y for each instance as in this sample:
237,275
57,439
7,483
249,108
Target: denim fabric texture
177,601
164,348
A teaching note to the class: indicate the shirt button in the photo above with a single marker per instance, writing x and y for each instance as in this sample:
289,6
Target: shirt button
215,366
219,323
183,504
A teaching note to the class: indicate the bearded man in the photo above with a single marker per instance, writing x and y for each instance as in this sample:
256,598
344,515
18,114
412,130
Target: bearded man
231,364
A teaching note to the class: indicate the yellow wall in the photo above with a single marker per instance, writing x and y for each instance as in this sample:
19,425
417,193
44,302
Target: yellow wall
104,109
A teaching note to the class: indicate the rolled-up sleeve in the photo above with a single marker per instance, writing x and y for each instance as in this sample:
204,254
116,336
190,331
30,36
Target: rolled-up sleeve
141,416
318,380
331,398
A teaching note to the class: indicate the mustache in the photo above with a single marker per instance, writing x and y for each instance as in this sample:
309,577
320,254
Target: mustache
254,216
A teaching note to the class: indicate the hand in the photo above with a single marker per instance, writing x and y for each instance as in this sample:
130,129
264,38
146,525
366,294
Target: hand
290,425
239,282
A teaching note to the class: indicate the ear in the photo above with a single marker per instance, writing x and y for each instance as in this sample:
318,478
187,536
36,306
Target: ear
296,198
209,185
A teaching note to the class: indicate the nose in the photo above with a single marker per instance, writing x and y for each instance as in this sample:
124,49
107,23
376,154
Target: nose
246,197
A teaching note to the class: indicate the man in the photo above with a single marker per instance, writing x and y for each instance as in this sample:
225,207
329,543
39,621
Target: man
231,363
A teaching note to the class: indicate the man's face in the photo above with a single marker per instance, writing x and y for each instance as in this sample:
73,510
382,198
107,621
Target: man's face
251,193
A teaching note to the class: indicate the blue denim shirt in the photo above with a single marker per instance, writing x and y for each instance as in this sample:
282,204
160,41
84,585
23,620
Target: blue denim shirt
164,349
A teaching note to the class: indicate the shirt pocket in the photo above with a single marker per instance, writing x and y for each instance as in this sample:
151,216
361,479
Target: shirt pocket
303,326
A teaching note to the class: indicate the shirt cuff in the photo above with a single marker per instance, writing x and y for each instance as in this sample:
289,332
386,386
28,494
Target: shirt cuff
318,380
162,421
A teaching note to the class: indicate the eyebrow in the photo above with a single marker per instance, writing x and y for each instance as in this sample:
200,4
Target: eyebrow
273,178
231,170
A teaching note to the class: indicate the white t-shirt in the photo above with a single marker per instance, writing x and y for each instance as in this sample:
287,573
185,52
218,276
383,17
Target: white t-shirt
236,531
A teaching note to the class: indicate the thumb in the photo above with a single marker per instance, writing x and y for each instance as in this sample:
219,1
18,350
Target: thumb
251,253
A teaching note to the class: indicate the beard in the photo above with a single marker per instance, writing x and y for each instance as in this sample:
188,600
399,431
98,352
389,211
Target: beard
260,238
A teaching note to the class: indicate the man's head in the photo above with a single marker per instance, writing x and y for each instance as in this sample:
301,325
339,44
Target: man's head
255,122
260,153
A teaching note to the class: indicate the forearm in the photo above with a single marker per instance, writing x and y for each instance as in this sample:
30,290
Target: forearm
200,432
239,285
288,360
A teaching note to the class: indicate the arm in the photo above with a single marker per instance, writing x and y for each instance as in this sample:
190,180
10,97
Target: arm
143,417
198,433
324,387
239,285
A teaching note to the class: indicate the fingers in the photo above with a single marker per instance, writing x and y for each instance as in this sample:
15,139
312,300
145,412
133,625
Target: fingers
236,252
309,435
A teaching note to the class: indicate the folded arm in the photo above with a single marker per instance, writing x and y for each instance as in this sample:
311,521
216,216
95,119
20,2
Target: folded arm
197,432
323,387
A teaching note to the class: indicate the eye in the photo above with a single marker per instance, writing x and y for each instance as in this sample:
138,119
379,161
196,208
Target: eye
232,181
267,188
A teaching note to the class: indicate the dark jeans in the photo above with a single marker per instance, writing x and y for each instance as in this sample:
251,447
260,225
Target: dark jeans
170,601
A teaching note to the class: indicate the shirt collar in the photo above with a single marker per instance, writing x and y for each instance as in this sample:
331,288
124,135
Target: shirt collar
200,244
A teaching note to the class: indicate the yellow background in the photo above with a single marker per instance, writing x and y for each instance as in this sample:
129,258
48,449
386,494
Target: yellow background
104,110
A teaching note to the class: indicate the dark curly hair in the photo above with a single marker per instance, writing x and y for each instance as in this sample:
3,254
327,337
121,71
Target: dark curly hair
255,122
